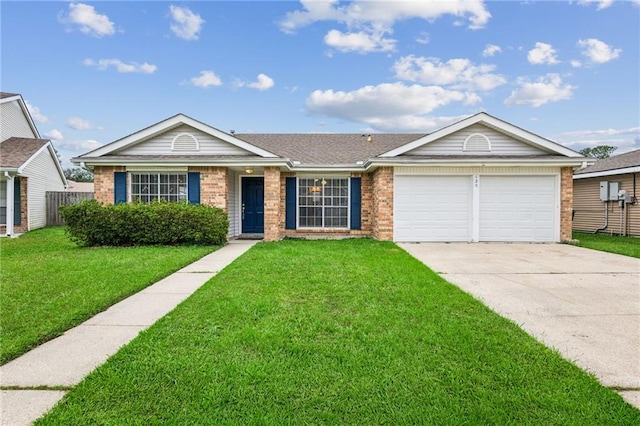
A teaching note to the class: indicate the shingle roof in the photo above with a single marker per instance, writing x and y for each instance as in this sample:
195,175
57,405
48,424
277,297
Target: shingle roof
7,95
621,161
14,152
327,148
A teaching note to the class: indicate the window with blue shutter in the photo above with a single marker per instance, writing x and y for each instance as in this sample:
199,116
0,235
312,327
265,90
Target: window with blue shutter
193,187
356,203
290,203
120,187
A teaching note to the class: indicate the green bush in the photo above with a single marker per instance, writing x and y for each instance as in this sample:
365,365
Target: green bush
90,223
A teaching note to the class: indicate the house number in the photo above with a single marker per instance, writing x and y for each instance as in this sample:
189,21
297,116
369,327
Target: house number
476,181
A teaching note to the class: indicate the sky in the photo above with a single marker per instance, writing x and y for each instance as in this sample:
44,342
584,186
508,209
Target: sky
94,72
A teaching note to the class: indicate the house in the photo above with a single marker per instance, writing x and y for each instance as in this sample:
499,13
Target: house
599,205
29,167
480,179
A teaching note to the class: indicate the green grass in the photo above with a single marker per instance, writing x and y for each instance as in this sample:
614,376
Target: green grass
336,332
50,285
628,246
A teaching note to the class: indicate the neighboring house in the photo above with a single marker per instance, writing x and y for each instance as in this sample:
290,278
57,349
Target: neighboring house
597,203
29,167
480,179
73,186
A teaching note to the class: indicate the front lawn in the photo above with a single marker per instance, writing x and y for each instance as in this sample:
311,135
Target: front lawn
336,332
628,246
50,285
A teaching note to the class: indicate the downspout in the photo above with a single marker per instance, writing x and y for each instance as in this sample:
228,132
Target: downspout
10,204
606,218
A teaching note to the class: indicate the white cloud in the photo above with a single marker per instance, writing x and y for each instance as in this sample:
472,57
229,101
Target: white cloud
368,22
35,113
602,4
374,13
186,24
575,63
387,106
263,82
604,132
625,139
89,21
545,89
206,79
423,38
78,123
80,146
490,50
122,67
460,73
543,53
360,41
54,134
598,51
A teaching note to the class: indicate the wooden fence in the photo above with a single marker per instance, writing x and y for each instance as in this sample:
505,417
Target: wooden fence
57,199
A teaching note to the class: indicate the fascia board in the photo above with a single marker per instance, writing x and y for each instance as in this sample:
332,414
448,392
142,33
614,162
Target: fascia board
168,124
403,161
492,121
106,161
634,169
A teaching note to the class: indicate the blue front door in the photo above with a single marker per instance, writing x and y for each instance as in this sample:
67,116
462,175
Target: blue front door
252,205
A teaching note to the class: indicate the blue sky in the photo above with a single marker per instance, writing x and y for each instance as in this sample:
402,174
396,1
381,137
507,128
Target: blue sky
93,72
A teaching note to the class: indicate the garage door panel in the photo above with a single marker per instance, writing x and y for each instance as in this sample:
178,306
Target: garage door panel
432,208
517,208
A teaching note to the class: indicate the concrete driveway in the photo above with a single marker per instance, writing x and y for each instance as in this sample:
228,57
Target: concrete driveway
584,303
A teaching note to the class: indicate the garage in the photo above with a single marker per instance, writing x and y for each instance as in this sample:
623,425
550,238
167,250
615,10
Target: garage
450,208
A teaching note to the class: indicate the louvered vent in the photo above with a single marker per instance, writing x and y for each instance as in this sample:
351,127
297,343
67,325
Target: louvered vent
185,142
477,142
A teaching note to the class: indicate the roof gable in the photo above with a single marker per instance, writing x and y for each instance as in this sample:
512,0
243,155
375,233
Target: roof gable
13,107
530,143
17,153
128,143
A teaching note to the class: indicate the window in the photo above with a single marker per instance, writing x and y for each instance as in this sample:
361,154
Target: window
147,187
323,202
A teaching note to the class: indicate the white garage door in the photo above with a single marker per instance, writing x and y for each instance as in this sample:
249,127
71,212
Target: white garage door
432,208
517,208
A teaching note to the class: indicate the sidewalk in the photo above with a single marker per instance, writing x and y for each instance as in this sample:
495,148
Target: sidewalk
66,360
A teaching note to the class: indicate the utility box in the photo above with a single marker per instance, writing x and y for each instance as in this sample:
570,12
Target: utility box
609,190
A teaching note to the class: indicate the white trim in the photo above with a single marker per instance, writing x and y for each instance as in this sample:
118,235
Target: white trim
322,228
52,153
162,169
171,123
475,207
633,169
491,121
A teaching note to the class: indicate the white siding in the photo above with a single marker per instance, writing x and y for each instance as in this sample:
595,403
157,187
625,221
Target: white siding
42,176
234,217
475,170
501,144
13,122
161,145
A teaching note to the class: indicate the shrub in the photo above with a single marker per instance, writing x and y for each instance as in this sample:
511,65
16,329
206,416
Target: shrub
90,223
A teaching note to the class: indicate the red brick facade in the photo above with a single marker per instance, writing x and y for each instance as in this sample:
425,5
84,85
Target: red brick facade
376,203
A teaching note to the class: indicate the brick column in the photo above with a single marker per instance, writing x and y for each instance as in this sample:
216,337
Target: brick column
566,203
24,206
382,220
271,204
103,182
214,190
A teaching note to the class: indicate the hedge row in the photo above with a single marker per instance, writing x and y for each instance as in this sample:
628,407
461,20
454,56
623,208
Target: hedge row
90,223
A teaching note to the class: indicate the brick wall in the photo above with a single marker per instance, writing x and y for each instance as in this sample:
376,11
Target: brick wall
273,204
566,203
103,182
24,206
382,204
213,186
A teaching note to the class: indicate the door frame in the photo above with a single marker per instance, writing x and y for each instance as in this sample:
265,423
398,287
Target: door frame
240,197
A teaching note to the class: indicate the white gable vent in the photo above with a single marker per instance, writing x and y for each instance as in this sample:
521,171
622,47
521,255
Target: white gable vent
477,142
185,142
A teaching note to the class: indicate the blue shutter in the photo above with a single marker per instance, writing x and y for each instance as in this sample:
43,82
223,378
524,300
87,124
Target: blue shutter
17,217
120,187
290,204
356,202
193,183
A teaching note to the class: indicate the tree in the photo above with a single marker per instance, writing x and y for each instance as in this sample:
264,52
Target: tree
78,174
599,151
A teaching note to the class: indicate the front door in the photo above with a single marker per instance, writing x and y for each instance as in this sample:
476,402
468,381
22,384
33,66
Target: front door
252,205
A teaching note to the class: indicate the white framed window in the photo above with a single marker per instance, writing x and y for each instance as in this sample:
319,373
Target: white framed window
147,187
323,202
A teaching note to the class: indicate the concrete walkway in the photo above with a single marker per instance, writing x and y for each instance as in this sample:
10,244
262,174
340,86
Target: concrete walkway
584,303
66,360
